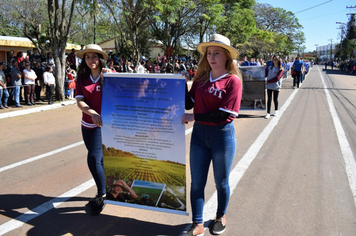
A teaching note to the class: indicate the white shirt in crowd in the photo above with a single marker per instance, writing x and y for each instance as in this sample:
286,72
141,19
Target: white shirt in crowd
48,78
30,74
140,69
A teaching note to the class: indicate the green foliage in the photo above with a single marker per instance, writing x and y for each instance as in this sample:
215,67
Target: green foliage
256,29
135,168
7,29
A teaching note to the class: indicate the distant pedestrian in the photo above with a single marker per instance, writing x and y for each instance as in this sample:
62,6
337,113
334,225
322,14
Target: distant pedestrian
16,82
298,67
274,75
50,83
4,95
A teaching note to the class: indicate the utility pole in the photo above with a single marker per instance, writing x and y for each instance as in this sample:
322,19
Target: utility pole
331,49
316,52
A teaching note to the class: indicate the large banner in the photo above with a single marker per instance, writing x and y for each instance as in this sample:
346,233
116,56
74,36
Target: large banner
144,141
253,95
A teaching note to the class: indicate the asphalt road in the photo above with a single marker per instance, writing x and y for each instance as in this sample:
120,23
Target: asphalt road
292,175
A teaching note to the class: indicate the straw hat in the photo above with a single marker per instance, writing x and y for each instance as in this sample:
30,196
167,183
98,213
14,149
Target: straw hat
92,48
117,183
219,41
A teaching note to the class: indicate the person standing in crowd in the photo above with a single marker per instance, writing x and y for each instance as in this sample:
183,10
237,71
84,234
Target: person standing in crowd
72,60
39,73
50,83
71,74
88,95
157,68
274,75
16,82
216,97
140,69
270,62
298,67
305,70
3,89
29,81
36,56
19,57
245,62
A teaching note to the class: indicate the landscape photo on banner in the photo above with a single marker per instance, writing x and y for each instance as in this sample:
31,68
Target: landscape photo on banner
144,141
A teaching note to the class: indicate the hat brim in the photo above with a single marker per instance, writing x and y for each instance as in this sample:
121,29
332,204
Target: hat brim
203,46
119,185
80,54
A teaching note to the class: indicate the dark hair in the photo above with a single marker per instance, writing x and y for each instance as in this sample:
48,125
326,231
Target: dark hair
48,68
84,70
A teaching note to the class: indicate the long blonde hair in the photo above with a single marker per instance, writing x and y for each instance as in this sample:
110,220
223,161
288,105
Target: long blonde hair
204,68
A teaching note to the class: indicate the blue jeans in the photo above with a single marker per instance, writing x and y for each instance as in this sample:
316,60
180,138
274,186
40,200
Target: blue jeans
6,96
216,144
16,93
93,143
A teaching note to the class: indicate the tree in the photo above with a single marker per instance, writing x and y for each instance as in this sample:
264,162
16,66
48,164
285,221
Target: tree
8,29
238,24
283,24
32,21
171,20
349,43
60,15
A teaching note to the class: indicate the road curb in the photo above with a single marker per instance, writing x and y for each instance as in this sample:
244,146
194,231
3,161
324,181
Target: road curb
36,109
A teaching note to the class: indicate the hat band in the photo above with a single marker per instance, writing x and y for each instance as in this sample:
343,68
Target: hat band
217,41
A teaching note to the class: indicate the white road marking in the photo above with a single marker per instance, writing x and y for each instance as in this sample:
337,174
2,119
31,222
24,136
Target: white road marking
29,215
241,167
350,163
40,156
235,176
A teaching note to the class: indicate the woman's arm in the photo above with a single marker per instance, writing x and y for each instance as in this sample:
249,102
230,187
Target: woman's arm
277,78
83,106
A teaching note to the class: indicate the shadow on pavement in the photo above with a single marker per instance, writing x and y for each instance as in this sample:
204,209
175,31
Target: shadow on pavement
74,220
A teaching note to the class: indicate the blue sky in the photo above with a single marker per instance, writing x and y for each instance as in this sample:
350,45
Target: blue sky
142,105
319,22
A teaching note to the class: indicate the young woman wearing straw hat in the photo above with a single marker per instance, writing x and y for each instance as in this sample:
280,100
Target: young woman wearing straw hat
215,96
88,95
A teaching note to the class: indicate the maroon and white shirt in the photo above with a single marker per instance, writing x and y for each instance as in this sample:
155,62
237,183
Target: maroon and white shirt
91,91
223,93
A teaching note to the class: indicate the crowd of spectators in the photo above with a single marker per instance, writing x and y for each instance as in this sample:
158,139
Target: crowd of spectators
22,79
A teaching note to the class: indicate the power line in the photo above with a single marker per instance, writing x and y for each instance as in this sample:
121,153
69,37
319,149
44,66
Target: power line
313,6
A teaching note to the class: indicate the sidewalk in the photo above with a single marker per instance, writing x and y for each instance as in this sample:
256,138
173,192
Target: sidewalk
40,106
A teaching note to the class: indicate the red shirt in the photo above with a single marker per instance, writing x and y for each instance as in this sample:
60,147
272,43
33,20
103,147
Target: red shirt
90,90
223,93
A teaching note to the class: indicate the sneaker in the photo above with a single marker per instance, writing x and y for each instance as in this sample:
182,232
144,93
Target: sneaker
6,106
96,204
29,104
2,107
219,225
267,116
195,230
275,113
33,103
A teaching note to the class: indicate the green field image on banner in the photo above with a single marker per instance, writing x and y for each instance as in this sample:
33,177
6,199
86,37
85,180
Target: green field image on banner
144,141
